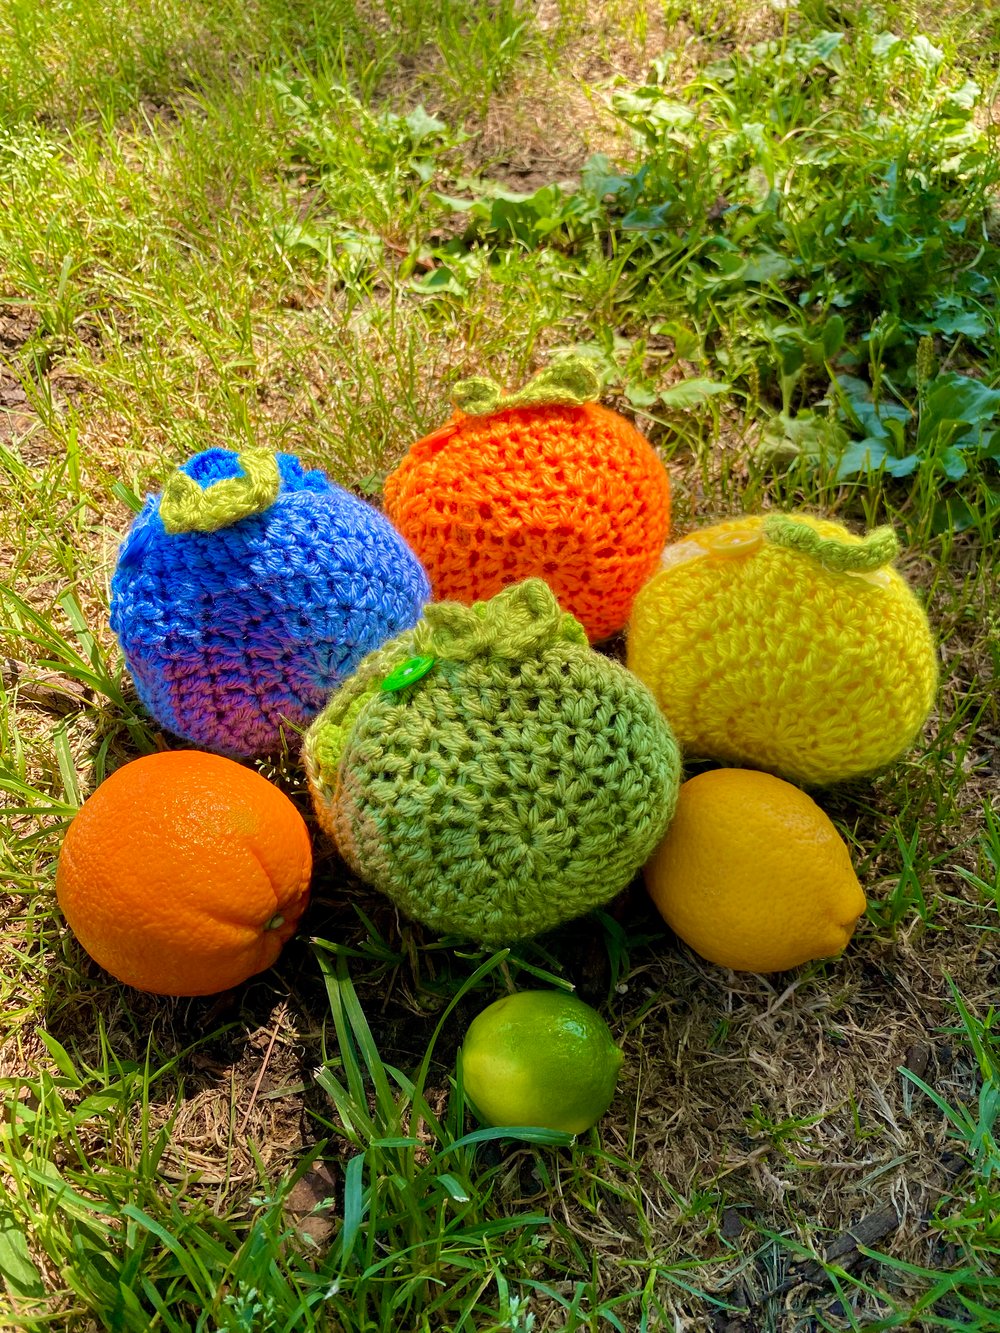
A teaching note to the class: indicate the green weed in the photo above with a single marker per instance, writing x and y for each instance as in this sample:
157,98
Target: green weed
817,235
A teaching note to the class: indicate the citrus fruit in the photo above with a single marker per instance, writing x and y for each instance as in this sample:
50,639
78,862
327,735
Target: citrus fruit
541,1058
184,873
542,483
786,643
753,875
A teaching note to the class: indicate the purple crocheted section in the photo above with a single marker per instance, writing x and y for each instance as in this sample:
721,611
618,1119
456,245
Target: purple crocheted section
235,636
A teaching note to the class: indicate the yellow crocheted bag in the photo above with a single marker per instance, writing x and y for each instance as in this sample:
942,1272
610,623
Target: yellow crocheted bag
786,643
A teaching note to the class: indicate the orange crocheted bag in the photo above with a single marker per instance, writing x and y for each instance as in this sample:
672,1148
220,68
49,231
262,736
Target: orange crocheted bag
543,483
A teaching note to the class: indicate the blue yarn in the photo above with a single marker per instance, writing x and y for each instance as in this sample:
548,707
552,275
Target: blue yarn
236,635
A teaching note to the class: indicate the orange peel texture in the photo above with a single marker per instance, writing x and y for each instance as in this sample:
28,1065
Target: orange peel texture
184,873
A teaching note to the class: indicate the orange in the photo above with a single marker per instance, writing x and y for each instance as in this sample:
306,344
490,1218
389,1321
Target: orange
184,873
753,875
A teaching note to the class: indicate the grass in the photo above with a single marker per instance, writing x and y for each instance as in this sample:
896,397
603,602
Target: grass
774,230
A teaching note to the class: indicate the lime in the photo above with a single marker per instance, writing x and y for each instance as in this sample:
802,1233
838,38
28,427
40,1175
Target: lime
541,1058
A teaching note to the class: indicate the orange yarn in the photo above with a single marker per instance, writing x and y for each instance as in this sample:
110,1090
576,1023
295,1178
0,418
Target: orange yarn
570,493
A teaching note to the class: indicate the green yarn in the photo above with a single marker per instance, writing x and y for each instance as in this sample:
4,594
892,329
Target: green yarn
324,744
878,548
512,625
520,783
572,380
187,507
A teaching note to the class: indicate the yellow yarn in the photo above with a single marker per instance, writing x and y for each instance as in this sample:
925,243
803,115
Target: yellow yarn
762,652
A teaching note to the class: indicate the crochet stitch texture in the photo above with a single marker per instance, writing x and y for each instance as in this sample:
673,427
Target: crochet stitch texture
248,590
542,484
788,644
520,782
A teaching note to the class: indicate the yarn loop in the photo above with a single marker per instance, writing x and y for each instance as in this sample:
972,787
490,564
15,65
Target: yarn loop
187,507
878,548
524,620
572,380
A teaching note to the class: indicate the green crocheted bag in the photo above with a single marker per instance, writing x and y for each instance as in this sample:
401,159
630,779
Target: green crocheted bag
491,772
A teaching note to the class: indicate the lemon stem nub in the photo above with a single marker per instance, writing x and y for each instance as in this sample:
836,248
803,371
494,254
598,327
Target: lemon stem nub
275,923
572,380
879,548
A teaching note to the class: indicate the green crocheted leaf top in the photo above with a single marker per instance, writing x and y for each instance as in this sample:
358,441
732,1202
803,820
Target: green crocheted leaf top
185,506
517,623
572,380
880,547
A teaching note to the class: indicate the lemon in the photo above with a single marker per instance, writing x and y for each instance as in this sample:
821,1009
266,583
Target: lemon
541,1058
753,875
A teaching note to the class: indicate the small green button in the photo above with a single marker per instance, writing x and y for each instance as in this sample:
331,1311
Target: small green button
407,673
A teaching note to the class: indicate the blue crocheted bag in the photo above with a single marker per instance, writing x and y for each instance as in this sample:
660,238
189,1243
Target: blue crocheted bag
247,591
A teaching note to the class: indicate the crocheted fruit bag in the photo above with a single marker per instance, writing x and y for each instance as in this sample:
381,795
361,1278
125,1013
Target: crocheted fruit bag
490,772
542,483
786,643
247,590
